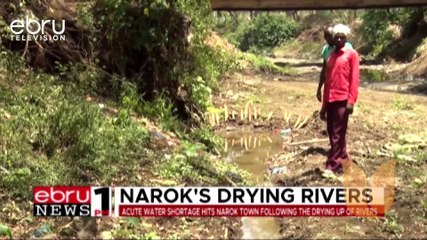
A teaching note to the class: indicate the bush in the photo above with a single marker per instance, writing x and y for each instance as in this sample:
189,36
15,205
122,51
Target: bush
191,164
55,140
379,38
51,136
262,64
266,31
149,44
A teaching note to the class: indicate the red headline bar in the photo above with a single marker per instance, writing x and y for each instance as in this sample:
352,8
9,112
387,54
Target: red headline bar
251,211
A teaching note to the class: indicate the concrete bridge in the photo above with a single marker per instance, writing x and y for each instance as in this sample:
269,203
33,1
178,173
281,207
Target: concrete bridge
310,4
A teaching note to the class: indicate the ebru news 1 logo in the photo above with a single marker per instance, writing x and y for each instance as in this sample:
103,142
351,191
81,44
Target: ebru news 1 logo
72,201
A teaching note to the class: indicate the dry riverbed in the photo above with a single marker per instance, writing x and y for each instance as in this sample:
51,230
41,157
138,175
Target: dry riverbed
384,126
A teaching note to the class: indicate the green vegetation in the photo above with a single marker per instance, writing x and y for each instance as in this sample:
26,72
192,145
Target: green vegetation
265,32
297,48
191,164
5,231
376,33
391,224
262,64
258,34
52,135
393,32
402,103
372,75
123,102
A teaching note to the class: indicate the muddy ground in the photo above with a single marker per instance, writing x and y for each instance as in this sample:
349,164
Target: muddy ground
380,120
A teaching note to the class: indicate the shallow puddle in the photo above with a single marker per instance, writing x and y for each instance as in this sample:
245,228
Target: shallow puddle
250,150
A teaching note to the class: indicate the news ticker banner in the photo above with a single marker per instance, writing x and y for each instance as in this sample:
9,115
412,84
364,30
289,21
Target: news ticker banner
209,201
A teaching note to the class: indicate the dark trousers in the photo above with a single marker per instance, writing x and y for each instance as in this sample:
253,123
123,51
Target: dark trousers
337,121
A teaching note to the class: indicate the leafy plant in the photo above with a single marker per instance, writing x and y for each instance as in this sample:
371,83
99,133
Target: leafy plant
401,103
55,137
266,31
262,64
159,48
206,136
391,225
423,203
133,221
191,163
376,32
5,231
151,236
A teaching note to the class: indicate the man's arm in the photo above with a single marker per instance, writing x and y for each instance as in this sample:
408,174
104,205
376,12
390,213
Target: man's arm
321,81
354,79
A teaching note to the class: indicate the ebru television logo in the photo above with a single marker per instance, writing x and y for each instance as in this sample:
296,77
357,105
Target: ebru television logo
30,29
72,201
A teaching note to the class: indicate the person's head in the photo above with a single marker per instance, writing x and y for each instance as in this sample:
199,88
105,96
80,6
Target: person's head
340,32
327,34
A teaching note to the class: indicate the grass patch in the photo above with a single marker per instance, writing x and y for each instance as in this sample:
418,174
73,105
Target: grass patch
305,49
373,75
402,103
191,164
53,137
264,65
391,224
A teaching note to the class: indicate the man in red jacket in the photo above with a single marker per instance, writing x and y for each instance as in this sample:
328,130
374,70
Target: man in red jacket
339,96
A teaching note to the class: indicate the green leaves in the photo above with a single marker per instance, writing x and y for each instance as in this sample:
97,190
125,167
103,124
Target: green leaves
55,137
376,30
133,221
42,230
201,93
5,231
151,236
266,31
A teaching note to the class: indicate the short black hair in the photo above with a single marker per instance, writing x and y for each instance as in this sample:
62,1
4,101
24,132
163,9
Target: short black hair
328,29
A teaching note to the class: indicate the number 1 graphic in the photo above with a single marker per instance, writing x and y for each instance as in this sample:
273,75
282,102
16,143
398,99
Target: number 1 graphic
105,199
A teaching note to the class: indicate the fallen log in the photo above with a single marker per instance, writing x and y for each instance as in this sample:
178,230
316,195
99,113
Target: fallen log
230,181
309,141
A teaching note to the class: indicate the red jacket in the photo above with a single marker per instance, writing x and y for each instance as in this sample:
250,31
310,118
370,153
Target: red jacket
342,77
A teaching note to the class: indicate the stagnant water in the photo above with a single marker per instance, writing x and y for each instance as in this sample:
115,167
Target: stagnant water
250,150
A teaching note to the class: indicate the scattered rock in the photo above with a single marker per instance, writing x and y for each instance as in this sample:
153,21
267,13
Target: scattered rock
230,128
106,235
164,182
84,234
86,227
50,236
278,170
406,158
259,125
418,181
410,139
